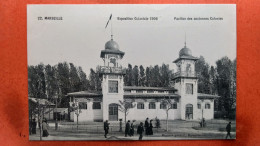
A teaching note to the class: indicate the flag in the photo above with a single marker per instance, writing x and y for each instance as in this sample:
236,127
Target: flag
109,20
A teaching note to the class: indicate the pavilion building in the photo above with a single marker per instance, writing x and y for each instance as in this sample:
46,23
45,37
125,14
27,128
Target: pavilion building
186,103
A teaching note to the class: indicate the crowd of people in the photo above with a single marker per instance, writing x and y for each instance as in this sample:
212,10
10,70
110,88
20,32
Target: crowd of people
147,127
130,128
45,127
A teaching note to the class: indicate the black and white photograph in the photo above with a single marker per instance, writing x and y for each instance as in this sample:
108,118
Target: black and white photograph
131,72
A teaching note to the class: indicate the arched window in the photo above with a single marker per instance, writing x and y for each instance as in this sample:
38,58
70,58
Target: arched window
188,68
140,105
207,106
152,105
113,61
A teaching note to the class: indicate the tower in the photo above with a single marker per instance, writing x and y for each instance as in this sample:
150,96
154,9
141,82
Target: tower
185,81
112,80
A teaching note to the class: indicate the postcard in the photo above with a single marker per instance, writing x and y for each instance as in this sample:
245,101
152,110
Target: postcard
131,72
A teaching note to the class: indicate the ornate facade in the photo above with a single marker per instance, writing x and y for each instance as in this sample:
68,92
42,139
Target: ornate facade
186,103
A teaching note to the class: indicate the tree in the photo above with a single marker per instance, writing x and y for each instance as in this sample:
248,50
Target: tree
202,69
129,76
75,107
135,80
226,84
142,76
62,74
155,76
94,80
165,75
167,105
147,77
74,78
124,106
36,81
84,82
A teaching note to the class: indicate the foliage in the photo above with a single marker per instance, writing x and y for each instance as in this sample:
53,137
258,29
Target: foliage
167,103
124,106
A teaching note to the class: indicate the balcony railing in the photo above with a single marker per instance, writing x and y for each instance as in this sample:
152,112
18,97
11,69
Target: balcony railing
117,70
185,74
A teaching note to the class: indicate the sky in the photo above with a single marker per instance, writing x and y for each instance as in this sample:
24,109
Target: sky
81,35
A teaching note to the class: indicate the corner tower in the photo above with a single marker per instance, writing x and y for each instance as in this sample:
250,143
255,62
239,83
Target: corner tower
185,81
112,74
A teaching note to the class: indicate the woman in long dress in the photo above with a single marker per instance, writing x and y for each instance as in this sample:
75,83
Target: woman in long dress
45,132
150,131
132,128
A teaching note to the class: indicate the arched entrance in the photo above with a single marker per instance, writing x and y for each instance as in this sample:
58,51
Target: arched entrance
189,111
113,112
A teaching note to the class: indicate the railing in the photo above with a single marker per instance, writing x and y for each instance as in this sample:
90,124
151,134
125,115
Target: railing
185,74
107,69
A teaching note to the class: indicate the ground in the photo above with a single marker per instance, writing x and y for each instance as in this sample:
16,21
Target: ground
178,129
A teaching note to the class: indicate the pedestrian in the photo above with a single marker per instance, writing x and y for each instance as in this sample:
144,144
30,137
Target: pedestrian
34,124
45,126
132,131
127,128
150,129
140,130
106,128
228,128
146,126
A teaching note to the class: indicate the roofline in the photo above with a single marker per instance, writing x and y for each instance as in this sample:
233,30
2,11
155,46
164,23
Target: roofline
147,88
180,58
103,52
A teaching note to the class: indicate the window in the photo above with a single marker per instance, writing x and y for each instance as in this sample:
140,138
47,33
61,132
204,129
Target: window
207,106
163,106
150,91
140,105
83,105
96,105
199,106
113,61
129,104
139,91
160,91
174,106
112,86
152,105
127,91
189,88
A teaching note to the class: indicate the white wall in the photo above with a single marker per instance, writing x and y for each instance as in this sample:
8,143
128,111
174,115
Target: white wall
207,113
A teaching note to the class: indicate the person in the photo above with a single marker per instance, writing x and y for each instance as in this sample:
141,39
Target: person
132,131
146,126
228,128
106,128
150,129
140,130
45,132
127,128
34,124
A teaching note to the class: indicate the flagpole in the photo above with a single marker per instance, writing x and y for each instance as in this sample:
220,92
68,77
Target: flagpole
111,30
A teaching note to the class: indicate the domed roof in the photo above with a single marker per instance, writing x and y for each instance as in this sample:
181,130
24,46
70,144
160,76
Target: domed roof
111,45
185,52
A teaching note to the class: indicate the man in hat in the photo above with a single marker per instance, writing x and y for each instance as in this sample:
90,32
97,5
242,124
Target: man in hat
146,126
140,130
228,128
127,128
106,128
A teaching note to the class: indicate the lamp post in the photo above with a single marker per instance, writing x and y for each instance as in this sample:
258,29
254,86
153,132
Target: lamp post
56,106
202,120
